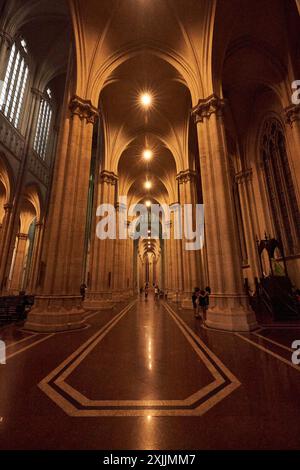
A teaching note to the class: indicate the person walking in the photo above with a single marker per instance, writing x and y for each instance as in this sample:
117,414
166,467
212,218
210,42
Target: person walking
203,304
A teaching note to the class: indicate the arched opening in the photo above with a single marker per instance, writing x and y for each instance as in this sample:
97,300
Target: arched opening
25,246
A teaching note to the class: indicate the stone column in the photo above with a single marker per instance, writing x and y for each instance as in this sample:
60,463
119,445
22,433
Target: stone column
167,263
129,268
229,307
245,188
121,253
36,254
151,271
99,296
292,116
176,254
170,261
5,242
58,302
18,268
190,258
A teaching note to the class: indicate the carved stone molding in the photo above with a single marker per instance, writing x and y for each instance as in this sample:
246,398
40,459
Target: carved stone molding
38,93
292,114
8,207
108,177
185,176
84,109
5,37
208,106
243,176
120,207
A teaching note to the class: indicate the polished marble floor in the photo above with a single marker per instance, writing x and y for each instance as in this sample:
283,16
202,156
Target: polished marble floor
149,376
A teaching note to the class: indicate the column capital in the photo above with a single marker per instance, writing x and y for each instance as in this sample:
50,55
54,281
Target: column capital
292,114
108,177
38,93
84,109
6,37
208,106
8,207
120,207
185,176
243,176
22,236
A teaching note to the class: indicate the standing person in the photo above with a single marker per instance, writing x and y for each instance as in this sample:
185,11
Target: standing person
146,292
207,294
203,303
195,301
83,288
156,292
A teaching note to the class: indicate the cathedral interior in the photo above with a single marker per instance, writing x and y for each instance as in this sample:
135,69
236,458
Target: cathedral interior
111,105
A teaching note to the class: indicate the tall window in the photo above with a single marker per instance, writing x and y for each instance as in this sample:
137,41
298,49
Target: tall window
12,94
281,191
43,126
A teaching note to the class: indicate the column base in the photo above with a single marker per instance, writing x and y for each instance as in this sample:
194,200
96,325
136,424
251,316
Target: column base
99,301
55,313
240,319
122,295
186,300
98,304
174,297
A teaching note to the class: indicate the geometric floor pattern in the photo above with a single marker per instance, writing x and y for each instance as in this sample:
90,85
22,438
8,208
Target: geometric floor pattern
76,404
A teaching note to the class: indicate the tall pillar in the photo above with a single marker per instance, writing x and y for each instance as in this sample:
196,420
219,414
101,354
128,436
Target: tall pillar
190,258
99,295
170,262
246,194
18,268
129,267
229,307
58,302
176,255
123,260
292,116
5,243
167,264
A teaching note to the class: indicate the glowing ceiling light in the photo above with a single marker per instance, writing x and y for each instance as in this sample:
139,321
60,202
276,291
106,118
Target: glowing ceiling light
146,100
147,154
148,203
148,184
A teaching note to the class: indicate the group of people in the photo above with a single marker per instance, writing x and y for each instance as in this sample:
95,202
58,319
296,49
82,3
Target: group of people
146,291
200,300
